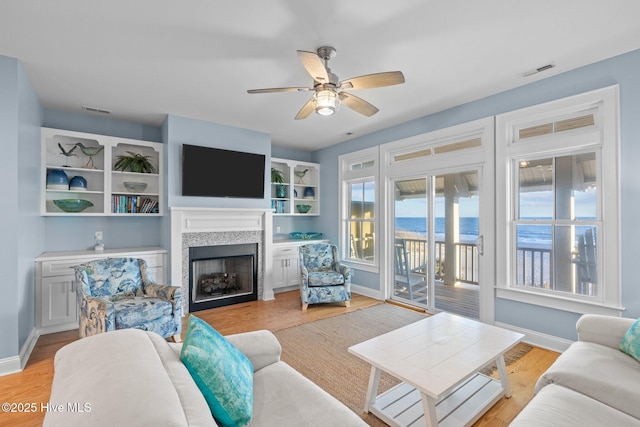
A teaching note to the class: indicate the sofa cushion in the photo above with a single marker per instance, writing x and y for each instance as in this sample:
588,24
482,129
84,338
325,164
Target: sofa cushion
123,378
133,311
602,373
285,398
325,278
223,374
558,406
630,343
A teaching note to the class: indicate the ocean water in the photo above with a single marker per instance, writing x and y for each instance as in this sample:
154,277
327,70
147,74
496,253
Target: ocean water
529,236
417,225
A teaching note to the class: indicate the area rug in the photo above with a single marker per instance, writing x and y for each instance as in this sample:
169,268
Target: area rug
318,350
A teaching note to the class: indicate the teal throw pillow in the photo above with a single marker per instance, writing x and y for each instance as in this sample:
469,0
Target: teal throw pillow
630,343
223,374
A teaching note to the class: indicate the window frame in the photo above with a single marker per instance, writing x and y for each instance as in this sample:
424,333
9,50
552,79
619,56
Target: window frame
348,175
601,138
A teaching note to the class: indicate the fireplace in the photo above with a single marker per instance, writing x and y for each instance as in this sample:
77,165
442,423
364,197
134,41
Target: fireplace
210,227
222,275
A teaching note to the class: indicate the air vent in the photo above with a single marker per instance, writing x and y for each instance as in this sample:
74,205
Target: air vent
96,110
539,70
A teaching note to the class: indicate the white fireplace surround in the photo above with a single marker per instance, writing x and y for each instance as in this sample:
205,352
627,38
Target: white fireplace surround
192,227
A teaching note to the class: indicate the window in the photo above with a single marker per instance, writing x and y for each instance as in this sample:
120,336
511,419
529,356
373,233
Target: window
556,224
358,177
559,163
361,220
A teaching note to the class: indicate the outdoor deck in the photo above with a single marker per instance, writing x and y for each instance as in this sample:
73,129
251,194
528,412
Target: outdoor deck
462,299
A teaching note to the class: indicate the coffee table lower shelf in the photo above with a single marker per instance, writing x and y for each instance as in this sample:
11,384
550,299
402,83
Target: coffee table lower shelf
402,405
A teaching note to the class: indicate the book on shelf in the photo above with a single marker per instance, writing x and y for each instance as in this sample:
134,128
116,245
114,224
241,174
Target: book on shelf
279,205
134,204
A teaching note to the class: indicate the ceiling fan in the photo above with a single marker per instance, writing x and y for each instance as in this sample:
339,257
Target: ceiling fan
329,92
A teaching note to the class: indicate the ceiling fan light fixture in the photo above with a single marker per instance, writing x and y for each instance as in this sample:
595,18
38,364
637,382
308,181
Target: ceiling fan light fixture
326,102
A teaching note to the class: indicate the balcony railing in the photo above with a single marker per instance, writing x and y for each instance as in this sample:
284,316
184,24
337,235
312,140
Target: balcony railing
467,254
533,265
532,268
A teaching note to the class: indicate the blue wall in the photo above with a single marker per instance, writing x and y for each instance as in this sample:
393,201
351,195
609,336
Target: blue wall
30,223
9,213
20,221
622,70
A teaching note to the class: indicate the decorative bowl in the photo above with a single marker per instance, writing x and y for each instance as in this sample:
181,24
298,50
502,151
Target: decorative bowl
305,236
72,205
303,208
135,187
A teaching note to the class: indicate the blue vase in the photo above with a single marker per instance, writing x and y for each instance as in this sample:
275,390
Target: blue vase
57,180
78,183
281,191
309,193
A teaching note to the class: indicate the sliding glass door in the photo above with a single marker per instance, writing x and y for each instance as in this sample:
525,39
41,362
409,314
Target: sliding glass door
437,243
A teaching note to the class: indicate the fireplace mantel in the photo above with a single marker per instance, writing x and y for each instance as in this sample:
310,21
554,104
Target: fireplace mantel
202,221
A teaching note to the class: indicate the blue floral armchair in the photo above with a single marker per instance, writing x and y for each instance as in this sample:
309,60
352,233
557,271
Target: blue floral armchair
324,279
118,293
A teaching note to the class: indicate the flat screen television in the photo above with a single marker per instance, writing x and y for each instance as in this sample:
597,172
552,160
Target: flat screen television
213,172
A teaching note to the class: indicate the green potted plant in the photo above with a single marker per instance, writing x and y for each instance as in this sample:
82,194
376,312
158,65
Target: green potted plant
277,177
135,163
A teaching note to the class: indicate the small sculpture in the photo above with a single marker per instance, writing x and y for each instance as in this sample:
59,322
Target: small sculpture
67,154
89,151
300,175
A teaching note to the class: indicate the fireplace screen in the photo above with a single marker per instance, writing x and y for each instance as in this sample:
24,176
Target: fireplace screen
222,275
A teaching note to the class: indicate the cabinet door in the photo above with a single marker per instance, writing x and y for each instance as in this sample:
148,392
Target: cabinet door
293,271
279,275
58,301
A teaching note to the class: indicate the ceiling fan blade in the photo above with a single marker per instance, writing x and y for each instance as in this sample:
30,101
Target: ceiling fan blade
280,89
306,110
358,105
368,81
314,66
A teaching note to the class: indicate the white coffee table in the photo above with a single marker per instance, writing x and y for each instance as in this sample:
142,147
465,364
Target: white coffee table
438,360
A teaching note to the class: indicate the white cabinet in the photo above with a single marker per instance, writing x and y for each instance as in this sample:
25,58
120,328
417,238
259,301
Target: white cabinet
56,308
299,194
92,158
286,267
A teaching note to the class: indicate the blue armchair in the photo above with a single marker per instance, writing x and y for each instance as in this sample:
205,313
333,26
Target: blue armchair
118,293
324,279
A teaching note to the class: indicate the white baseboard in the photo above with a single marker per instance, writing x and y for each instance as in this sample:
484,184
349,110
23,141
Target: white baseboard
539,339
58,328
10,365
27,348
367,292
13,364
286,289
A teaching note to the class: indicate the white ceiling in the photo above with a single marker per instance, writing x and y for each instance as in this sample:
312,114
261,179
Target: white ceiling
145,59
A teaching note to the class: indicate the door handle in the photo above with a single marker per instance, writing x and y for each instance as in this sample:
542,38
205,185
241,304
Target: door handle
480,245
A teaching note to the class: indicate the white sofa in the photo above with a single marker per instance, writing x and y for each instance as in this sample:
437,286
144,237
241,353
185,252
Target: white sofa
136,378
592,383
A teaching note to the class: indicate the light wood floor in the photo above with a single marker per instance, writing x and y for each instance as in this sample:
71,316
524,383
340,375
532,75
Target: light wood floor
33,385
